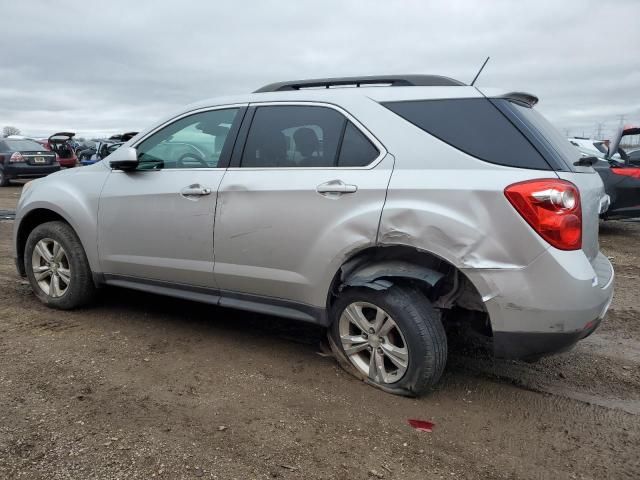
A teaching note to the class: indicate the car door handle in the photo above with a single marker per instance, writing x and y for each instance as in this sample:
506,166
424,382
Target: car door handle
336,186
195,190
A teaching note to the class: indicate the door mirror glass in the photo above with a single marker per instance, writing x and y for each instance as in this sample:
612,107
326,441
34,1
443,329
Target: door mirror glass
124,158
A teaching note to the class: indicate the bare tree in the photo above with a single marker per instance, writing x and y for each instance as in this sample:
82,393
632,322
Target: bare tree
8,130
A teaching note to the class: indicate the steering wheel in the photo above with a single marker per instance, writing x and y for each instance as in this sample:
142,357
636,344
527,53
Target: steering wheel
192,158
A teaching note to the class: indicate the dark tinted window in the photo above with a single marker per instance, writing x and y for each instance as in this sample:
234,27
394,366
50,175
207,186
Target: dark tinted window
293,136
195,141
24,145
474,126
357,150
550,138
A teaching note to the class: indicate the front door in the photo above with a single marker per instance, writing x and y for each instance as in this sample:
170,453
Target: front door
309,188
157,222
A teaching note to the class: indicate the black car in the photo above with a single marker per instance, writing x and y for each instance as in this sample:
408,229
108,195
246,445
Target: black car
621,178
24,158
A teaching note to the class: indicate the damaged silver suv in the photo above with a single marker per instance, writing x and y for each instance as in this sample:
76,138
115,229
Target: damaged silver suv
397,214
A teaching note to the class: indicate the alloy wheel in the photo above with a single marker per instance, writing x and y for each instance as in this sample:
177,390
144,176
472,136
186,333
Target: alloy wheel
51,268
373,342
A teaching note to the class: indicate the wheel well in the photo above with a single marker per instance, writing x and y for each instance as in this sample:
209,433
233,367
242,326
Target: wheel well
29,222
447,287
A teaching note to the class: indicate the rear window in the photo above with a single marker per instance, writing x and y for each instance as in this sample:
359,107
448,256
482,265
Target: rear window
542,133
474,126
24,145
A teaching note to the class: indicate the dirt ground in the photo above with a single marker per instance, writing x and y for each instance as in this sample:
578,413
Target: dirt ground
140,386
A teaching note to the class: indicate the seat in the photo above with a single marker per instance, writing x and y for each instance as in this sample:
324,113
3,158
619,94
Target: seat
307,144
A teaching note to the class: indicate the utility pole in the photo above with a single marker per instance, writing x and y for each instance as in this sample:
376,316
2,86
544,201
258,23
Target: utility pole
599,131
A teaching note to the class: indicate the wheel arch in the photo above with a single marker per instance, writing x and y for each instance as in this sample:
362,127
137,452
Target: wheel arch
29,221
380,267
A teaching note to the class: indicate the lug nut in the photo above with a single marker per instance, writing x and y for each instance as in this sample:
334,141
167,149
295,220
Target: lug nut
371,330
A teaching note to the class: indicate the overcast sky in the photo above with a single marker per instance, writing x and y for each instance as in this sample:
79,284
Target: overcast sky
68,65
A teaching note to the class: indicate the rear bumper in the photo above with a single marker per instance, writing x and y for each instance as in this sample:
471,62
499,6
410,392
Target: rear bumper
22,170
547,306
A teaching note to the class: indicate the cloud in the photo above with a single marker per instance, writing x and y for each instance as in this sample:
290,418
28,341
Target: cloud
68,65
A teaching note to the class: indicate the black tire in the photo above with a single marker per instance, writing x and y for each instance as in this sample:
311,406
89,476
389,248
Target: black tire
420,325
4,181
81,288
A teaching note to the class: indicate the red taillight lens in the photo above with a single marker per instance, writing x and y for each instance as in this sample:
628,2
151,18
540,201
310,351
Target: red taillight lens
16,157
552,208
628,172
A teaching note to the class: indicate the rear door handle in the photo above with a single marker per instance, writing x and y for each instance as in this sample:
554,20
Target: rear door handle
337,187
195,190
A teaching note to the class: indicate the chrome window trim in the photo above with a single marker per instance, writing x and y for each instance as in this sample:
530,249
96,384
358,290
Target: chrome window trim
180,117
370,136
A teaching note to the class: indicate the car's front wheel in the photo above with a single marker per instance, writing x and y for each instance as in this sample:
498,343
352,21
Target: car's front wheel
57,266
393,338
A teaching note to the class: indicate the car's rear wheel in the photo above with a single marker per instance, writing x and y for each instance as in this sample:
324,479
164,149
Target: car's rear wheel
57,266
4,181
392,339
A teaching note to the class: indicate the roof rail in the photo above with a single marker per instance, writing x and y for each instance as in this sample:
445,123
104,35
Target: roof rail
391,80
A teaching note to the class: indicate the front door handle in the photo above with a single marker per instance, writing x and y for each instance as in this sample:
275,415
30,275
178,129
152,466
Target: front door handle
195,190
336,187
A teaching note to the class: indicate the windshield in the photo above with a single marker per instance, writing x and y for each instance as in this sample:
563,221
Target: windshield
24,145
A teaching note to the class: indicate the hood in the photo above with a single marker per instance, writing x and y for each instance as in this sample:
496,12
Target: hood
61,137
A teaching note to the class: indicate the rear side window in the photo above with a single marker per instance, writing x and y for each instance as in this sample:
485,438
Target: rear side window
357,150
298,136
474,126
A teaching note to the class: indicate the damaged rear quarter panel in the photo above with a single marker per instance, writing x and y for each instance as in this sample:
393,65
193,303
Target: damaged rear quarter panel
460,216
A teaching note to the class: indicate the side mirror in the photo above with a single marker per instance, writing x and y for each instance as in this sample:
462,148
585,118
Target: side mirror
124,158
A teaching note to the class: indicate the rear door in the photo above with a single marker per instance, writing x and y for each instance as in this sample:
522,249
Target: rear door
305,188
157,222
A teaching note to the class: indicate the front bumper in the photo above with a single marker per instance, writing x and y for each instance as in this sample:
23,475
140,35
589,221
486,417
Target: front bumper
547,306
22,170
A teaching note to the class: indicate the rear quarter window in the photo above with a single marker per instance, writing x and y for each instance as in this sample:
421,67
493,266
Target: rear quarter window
474,126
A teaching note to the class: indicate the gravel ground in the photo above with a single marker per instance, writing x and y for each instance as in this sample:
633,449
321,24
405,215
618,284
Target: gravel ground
140,386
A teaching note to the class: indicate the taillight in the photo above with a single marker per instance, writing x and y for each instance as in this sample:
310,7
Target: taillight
629,172
552,208
16,157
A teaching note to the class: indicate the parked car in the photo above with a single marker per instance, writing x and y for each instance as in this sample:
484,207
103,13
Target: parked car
24,158
62,144
103,148
373,212
621,177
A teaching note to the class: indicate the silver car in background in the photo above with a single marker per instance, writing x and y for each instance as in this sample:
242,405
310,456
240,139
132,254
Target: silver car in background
396,214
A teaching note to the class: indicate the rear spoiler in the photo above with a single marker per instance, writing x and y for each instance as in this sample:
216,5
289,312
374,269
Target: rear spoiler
521,97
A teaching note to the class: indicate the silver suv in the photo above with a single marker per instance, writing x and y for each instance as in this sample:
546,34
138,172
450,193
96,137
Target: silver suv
397,214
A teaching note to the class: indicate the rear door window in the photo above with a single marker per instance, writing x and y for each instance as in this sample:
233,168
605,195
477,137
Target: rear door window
474,126
357,150
300,136
293,136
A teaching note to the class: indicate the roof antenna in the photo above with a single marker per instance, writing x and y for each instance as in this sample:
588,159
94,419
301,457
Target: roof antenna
480,71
